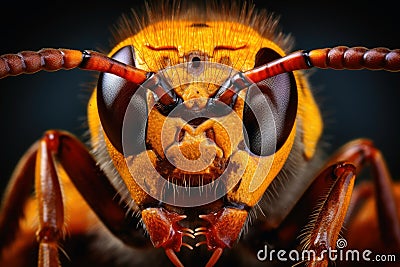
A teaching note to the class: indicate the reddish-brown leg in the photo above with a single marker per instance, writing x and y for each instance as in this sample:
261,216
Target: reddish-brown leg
327,224
50,204
361,152
329,219
89,180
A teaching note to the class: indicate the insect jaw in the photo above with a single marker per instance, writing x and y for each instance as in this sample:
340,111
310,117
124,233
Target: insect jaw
221,230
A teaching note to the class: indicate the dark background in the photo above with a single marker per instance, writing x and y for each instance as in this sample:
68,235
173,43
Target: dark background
354,103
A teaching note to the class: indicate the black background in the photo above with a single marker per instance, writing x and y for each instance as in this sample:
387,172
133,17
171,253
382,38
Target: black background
354,103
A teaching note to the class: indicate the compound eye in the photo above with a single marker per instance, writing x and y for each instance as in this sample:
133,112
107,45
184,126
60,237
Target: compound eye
270,109
114,96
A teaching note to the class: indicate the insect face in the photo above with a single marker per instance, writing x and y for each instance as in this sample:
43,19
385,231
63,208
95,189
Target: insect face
175,140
